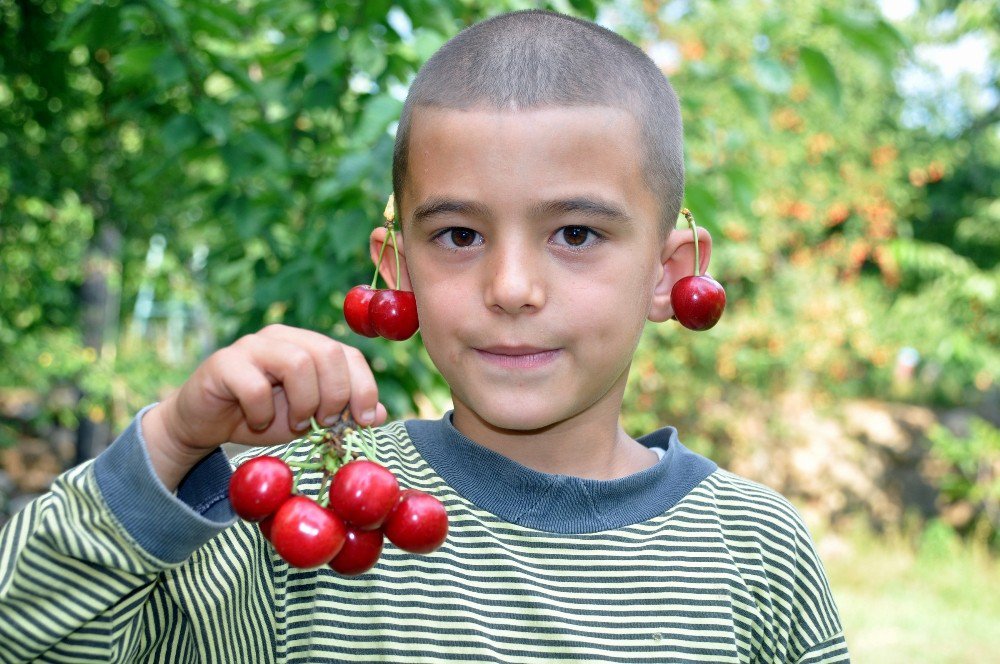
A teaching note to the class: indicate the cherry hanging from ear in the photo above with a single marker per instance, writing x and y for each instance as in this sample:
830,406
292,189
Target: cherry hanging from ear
389,313
697,300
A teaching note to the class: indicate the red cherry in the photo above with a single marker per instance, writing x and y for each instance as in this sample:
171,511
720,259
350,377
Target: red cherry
394,314
356,310
698,301
305,534
360,553
259,487
265,527
363,493
418,524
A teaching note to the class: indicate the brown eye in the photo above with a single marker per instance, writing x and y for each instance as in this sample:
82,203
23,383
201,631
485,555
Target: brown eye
575,236
462,237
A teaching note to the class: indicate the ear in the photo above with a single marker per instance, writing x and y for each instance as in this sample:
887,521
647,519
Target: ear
677,262
376,242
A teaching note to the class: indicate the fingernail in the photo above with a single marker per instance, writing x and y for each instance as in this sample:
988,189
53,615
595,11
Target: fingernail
368,416
302,426
330,421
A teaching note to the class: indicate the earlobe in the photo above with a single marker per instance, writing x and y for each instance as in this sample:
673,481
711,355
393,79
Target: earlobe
677,262
379,243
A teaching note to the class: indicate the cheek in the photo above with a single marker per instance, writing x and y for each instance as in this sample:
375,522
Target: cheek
619,301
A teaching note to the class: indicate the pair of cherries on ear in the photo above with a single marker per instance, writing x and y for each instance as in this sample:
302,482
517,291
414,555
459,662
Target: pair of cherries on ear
385,312
697,300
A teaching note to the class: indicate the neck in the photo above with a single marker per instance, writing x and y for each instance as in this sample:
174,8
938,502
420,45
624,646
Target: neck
590,445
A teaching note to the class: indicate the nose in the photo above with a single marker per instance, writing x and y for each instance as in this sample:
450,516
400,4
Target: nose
514,280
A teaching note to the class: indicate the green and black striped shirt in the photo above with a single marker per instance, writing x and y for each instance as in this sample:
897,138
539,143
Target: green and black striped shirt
682,562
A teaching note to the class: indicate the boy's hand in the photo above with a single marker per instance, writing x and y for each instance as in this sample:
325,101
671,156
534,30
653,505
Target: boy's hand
260,390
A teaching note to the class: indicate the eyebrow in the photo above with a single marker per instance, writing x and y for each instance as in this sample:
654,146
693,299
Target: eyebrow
437,206
589,207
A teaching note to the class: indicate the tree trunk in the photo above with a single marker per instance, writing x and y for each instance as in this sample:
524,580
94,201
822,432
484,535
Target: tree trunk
99,318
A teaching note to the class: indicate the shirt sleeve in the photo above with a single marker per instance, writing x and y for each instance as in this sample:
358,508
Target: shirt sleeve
817,634
831,650
80,565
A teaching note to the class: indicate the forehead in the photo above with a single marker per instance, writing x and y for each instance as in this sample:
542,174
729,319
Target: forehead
511,159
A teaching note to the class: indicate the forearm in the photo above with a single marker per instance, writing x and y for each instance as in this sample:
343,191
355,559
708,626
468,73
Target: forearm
100,538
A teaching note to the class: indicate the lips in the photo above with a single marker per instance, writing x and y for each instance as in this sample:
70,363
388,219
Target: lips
518,356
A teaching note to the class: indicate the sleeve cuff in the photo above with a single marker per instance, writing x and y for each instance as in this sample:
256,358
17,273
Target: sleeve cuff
168,527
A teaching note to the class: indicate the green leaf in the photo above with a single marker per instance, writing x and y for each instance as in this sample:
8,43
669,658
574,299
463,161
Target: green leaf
137,61
168,69
69,24
753,101
702,203
742,186
868,33
323,55
378,114
180,133
771,75
821,73
215,120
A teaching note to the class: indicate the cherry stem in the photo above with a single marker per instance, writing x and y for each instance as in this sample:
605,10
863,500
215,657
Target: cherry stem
323,496
395,248
348,448
372,444
293,448
379,264
298,476
694,229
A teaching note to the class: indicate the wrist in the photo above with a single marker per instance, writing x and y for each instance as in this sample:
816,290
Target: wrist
171,458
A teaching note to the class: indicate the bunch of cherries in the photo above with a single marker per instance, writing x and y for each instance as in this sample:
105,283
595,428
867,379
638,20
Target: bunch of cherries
358,505
385,312
697,300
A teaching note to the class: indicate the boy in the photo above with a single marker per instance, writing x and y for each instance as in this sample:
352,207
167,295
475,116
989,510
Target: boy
538,171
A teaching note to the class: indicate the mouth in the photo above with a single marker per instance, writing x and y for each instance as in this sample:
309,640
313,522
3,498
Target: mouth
518,356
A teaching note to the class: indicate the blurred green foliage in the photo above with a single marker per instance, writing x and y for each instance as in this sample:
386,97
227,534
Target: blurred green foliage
850,242
972,474
262,133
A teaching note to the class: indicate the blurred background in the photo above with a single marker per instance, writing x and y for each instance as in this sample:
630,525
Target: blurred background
176,174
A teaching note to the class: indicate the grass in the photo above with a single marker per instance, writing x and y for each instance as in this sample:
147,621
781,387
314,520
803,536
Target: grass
933,601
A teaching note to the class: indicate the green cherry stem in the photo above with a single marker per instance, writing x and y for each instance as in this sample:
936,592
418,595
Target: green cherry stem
295,482
694,229
380,252
395,248
372,444
323,495
294,447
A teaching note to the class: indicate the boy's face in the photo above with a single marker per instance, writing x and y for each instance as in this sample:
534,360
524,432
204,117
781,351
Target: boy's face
531,243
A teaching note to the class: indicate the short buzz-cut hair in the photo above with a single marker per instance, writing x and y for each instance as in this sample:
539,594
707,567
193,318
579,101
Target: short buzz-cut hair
535,59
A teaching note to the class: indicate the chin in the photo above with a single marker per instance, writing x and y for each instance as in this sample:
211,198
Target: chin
518,416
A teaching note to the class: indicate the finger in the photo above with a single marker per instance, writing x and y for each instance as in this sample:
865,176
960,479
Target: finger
381,414
294,369
343,372
251,388
364,389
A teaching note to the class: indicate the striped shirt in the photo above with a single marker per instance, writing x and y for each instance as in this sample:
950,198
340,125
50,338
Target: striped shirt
682,562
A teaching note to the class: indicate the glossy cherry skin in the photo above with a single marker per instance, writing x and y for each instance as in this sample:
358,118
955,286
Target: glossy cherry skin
363,493
418,523
305,534
265,527
698,301
360,553
356,310
394,314
259,487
